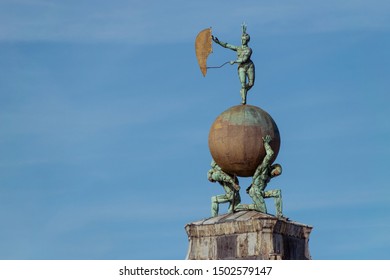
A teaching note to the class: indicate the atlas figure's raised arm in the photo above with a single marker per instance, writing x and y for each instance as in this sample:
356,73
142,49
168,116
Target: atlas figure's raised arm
269,153
268,150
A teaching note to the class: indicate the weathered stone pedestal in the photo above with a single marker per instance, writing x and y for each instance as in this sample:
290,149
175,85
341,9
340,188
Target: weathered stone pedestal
247,235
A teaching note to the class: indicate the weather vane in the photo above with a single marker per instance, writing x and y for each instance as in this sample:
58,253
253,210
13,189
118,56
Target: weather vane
244,141
246,67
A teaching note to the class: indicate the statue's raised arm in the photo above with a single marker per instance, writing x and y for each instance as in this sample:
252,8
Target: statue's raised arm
223,44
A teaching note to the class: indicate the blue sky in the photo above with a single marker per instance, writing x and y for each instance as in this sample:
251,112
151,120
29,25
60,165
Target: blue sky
104,121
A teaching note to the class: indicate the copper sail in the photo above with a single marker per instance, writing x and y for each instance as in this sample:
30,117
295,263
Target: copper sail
203,47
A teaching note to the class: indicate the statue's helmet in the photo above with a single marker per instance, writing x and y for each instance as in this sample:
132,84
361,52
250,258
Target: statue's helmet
245,36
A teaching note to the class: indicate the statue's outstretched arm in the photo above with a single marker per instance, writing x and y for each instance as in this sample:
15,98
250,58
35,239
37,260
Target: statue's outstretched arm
223,44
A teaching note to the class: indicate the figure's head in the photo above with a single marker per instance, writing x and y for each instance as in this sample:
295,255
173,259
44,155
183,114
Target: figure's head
276,170
210,178
245,38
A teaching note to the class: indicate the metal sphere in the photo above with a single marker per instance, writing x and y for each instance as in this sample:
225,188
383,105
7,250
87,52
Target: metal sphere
235,139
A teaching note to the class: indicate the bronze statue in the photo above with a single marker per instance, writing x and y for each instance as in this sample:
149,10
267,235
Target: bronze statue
229,184
263,174
245,123
246,68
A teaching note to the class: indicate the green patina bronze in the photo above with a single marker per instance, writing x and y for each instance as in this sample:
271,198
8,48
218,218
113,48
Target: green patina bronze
246,67
231,186
264,173
244,140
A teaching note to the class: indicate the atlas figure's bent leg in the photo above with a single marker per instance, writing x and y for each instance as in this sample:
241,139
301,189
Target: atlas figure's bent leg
258,200
237,202
214,206
215,201
277,195
278,203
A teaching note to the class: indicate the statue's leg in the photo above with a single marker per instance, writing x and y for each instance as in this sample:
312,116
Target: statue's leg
215,201
259,203
251,76
230,208
214,206
243,93
244,90
237,201
277,195
279,203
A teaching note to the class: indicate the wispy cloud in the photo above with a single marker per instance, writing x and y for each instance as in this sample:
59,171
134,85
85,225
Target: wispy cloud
153,21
